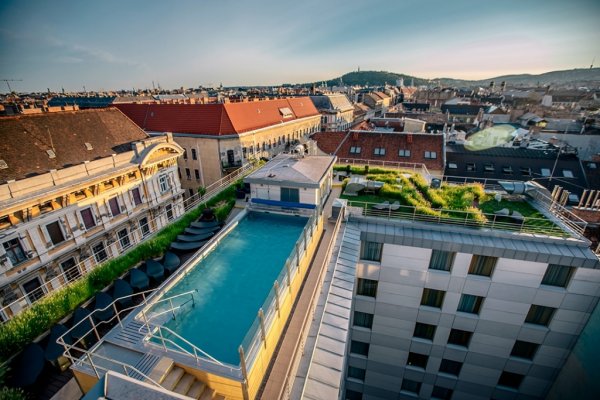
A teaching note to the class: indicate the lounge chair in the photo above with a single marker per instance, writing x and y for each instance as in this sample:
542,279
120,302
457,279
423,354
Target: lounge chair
138,280
171,262
103,310
54,351
155,270
120,290
187,246
194,238
201,231
503,213
382,206
395,206
205,224
28,366
83,329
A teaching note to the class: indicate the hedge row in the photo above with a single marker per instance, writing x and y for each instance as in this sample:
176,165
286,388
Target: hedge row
22,329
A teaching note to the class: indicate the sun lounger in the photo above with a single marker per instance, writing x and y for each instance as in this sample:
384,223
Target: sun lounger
155,270
395,206
187,246
195,238
205,224
138,280
28,366
382,206
103,310
201,231
122,289
171,262
81,330
54,351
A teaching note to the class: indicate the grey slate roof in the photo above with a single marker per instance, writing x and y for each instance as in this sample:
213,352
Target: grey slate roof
286,169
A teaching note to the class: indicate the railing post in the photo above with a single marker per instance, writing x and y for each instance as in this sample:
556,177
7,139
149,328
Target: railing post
162,339
277,305
93,366
261,318
172,310
244,373
289,275
94,326
117,313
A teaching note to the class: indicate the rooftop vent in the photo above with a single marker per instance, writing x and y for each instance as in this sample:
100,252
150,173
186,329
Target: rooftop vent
89,146
3,164
51,153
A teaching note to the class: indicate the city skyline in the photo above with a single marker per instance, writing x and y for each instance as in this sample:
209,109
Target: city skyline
116,45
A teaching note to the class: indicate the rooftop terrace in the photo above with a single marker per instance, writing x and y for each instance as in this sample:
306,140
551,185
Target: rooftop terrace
410,195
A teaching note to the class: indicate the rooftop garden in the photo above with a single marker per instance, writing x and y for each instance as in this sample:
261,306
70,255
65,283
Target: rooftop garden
406,194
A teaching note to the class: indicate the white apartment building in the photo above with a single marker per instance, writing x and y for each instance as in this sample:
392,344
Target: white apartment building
427,310
77,188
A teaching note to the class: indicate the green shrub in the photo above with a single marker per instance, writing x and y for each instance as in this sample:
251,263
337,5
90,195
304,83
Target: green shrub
32,322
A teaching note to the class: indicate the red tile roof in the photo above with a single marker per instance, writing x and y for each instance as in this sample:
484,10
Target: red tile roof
217,119
417,143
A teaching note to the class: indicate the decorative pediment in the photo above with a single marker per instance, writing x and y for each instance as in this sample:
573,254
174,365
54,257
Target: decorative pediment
160,152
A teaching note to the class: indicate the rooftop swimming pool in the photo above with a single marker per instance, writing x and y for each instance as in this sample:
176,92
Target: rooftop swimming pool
233,281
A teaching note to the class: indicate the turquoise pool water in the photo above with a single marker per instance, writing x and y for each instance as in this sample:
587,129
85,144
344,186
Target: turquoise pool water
233,282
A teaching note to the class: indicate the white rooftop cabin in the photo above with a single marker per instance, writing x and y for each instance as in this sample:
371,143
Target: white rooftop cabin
292,181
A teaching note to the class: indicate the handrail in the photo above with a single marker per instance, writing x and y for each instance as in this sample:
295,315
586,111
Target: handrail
125,366
170,300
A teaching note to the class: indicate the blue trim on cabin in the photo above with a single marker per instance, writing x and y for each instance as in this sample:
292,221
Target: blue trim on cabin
287,204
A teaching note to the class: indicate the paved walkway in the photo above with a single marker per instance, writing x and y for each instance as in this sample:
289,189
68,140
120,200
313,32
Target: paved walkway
278,378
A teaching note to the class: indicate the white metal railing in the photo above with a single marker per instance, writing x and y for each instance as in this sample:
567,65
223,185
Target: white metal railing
87,264
171,310
531,225
422,168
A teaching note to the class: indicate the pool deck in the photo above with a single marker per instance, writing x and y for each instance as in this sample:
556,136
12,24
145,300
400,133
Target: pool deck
280,370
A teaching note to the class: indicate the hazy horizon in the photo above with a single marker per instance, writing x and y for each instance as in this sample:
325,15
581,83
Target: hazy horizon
115,45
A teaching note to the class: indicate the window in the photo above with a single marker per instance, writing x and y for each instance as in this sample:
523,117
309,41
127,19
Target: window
356,373
163,183
452,165
291,195
417,360
197,174
379,151
525,171
353,395
488,168
366,287
430,154
470,304
539,315
14,251
545,171
404,153
137,198
441,393
194,155
364,320
409,385
360,348
510,379
441,260
482,265
507,170
123,236
450,367
459,337
524,349
169,209
371,251
424,331
471,167
33,289
432,298
144,227
55,233
70,269
184,154
113,204
88,218
567,173
99,252
188,174
557,275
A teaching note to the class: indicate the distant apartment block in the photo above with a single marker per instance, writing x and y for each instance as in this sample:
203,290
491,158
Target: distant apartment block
337,112
76,188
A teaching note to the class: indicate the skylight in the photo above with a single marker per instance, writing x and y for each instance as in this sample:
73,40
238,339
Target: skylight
51,153
286,112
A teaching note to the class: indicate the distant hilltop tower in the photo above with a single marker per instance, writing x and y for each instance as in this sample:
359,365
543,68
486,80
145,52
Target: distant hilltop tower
358,68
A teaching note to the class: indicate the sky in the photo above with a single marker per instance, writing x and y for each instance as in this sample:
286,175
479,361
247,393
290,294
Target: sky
125,44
